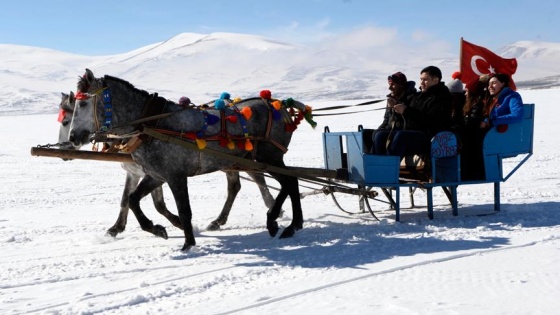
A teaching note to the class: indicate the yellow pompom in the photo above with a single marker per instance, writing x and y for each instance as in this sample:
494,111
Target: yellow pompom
248,145
236,100
277,104
231,145
201,143
247,112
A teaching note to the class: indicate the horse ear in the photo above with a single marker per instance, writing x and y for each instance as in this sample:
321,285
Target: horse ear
89,76
63,95
71,97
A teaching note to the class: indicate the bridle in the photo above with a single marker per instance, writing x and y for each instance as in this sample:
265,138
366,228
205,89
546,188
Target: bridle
105,93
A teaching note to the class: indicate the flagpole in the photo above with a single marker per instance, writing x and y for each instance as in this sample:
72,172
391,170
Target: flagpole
461,55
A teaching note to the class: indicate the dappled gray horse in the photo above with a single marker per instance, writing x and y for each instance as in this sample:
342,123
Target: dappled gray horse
123,107
134,173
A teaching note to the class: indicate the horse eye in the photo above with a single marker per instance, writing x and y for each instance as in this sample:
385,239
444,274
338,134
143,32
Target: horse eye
65,123
83,103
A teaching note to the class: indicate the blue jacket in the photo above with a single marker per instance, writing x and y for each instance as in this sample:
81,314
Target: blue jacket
509,108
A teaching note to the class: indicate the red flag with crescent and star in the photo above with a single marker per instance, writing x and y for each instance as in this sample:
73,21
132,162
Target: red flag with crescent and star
477,60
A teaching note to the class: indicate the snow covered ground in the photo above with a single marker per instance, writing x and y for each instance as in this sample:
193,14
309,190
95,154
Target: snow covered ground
56,259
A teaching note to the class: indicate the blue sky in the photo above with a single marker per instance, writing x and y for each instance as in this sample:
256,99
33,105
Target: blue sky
106,27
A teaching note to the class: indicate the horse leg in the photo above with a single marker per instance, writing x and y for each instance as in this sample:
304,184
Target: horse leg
159,203
146,186
288,187
129,185
292,185
258,178
180,190
233,187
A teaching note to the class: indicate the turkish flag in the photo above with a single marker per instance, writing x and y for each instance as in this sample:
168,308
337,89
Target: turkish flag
477,60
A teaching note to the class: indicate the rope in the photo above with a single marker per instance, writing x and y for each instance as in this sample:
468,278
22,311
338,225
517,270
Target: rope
344,106
333,114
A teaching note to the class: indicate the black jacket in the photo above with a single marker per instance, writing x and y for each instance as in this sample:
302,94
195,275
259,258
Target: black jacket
429,111
405,99
475,116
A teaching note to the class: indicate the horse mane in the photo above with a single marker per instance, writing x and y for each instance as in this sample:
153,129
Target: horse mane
83,84
126,83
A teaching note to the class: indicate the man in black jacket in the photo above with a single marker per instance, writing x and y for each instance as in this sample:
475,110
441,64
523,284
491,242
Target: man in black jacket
402,92
428,113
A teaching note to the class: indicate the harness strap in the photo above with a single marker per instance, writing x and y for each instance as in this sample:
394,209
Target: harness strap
153,107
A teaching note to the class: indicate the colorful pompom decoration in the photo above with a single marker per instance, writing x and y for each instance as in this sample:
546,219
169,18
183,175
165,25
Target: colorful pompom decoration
266,94
220,104
223,142
456,75
225,96
290,102
236,100
247,112
277,105
201,143
232,119
248,145
231,145
501,128
240,144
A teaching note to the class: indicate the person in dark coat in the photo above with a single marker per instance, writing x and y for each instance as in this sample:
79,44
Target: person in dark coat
401,91
428,113
473,129
457,91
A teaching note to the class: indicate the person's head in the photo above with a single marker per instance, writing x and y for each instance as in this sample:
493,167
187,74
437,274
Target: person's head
497,82
429,76
184,101
455,86
397,83
477,88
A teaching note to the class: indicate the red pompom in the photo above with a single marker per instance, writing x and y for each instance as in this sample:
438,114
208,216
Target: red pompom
232,119
456,75
501,128
266,94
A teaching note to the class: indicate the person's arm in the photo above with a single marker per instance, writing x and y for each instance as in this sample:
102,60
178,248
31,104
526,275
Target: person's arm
515,114
388,113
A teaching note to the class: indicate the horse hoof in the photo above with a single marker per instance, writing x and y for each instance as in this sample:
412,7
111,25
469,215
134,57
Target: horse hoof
160,231
288,232
186,248
214,226
113,232
273,228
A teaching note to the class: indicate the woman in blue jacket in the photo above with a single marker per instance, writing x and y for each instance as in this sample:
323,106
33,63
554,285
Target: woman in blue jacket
504,105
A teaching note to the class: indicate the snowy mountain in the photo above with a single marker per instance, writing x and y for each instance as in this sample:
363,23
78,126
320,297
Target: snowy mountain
202,66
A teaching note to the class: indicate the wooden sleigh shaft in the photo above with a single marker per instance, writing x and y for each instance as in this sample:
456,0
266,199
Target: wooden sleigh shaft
82,155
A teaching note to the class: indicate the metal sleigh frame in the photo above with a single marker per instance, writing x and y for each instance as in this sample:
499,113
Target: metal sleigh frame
345,150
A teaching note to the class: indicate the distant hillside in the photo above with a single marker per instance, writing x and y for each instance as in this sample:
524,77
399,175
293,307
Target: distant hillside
202,66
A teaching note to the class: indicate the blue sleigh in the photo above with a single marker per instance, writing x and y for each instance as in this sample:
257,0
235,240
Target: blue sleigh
345,152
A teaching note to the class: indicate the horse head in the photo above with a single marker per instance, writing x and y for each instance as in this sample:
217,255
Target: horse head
66,109
86,116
